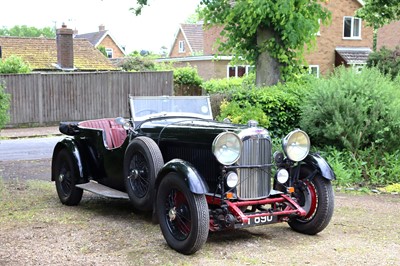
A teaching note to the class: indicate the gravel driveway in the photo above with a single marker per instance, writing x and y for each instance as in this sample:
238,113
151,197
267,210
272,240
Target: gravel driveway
36,229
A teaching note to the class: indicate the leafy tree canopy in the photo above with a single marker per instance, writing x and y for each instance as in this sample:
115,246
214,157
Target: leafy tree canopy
280,30
290,25
25,31
379,12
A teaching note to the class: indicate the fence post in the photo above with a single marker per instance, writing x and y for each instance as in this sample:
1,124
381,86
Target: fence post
40,96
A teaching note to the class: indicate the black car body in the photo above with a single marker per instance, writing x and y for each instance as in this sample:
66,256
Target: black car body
196,174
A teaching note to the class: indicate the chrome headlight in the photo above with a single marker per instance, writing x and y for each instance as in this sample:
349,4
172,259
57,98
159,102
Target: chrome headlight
226,147
296,145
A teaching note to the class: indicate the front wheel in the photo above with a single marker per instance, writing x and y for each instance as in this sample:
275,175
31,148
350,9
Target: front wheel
316,197
183,215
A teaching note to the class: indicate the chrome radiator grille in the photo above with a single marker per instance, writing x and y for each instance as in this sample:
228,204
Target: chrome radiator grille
254,182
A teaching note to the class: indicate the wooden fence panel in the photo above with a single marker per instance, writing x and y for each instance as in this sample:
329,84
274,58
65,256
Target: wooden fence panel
42,99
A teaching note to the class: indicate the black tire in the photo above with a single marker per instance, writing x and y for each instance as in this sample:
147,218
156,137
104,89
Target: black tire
183,215
142,162
65,174
317,199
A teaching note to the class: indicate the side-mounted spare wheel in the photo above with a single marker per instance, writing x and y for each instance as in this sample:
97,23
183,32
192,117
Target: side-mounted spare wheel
142,162
65,174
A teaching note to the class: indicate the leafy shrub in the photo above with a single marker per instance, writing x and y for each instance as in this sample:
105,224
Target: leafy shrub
386,60
13,65
137,63
241,114
4,105
279,103
229,85
352,111
187,81
368,167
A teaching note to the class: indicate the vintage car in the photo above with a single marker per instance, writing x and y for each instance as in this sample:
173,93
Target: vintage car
195,174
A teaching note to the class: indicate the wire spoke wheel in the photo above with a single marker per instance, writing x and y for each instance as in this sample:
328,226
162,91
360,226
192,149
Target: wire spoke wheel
183,215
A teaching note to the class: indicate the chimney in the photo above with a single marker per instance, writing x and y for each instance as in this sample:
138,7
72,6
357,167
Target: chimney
102,27
65,48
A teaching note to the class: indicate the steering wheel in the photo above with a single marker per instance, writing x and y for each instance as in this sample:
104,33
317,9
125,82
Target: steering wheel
145,112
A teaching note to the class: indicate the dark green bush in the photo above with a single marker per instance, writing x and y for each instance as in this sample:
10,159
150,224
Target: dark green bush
279,103
386,60
4,105
352,111
187,81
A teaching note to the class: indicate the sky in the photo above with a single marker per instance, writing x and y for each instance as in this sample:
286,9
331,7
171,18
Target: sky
154,28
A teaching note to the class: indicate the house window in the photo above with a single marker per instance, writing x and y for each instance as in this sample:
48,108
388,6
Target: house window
238,71
109,52
181,46
351,28
358,67
313,70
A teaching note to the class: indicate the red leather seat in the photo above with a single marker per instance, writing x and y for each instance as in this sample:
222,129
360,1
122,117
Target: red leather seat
113,134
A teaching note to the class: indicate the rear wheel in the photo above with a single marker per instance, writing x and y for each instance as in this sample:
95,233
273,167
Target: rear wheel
183,215
142,162
316,197
65,174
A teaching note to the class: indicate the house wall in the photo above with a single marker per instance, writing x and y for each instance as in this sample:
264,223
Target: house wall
332,36
108,42
389,36
207,69
175,48
210,37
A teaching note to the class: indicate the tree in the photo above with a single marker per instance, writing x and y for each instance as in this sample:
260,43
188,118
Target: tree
25,31
379,12
13,65
270,34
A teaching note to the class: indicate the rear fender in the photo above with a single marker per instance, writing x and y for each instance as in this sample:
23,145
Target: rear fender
69,144
315,161
186,171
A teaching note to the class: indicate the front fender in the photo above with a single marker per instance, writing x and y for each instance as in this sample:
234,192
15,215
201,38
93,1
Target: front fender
321,165
69,144
187,171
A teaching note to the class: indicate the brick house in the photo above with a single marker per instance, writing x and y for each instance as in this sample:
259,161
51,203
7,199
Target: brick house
103,38
345,41
63,53
389,36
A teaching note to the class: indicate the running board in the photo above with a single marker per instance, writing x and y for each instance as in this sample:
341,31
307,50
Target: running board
102,190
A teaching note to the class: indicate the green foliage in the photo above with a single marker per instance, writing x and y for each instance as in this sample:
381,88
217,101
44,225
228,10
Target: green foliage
241,114
229,85
279,103
352,110
4,105
136,62
187,76
291,25
25,31
368,168
13,65
379,12
102,49
386,60
187,81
